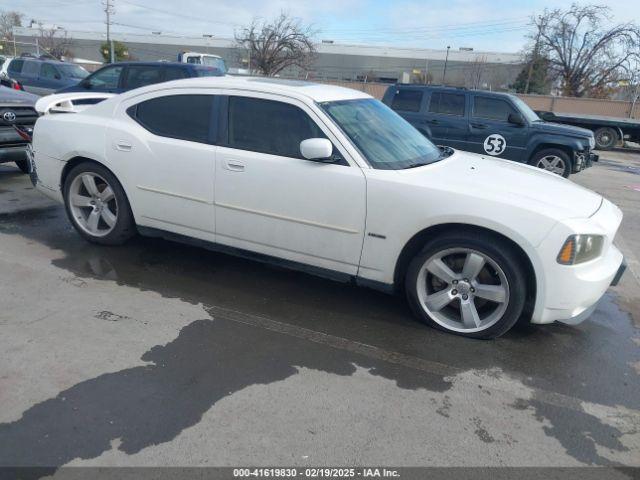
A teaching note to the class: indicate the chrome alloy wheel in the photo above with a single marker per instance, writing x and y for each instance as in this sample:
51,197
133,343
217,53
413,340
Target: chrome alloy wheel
552,163
463,290
93,204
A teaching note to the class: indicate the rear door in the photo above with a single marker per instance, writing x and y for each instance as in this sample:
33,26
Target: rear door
408,103
490,132
446,118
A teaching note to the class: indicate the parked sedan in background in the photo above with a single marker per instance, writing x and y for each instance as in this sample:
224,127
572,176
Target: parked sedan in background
17,117
334,181
43,76
124,76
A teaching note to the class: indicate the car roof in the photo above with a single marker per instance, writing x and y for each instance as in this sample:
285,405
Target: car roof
293,88
417,86
159,64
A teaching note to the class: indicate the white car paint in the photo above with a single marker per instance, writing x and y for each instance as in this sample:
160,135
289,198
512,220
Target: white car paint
322,215
68,102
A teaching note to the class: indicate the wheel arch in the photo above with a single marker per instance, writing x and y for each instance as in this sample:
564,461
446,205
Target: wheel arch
552,146
415,244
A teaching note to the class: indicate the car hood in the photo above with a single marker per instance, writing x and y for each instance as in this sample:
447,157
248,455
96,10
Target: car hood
503,181
9,96
561,129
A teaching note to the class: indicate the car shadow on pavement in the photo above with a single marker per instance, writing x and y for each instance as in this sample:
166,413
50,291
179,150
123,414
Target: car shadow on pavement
151,404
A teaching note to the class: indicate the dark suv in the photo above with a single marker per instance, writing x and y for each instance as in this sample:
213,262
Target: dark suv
124,76
495,124
17,117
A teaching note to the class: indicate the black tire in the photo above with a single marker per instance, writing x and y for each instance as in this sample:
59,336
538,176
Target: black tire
23,165
124,227
498,251
538,157
606,138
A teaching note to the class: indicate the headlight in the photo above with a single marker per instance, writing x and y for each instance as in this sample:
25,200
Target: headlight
580,249
592,142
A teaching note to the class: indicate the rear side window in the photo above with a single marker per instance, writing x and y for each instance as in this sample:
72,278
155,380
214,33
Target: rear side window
492,108
204,71
407,101
447,103
15,66
268,126
174,73
142,75
31,67
185,117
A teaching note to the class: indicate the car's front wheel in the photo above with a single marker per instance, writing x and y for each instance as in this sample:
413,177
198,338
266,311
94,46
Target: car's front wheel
468,285
97,205
553,160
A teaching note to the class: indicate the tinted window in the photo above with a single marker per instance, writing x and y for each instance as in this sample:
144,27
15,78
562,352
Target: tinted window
492,108
72,71
187,117
48,71
203,71
31,68
174,73
15,66
407,100
269,127
141,75
106,78
447,103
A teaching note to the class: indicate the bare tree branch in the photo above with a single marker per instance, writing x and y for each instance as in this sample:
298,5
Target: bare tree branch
274,46
585,56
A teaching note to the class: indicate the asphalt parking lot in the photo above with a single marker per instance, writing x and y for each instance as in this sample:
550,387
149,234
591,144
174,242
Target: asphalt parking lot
157,353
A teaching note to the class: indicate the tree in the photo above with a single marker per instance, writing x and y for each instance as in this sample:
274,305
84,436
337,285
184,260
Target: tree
273,46
474,72
120,51
537,72
55,42
586,54
8,20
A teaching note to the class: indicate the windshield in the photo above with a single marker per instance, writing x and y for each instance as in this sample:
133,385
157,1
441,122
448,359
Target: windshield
386,140
72,71
525,109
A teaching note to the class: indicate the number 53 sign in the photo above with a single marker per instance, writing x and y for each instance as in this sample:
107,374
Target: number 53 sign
495,144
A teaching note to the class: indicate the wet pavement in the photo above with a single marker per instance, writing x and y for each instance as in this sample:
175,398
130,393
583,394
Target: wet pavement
157,353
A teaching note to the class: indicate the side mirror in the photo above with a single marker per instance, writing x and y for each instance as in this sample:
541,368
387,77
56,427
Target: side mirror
516,119
57,76
317,149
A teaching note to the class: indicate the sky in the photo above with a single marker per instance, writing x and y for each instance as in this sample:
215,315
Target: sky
484,25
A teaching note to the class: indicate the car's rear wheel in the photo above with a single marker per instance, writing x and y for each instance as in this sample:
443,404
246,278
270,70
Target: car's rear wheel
23,165
97,205
553,160
470,286
606,138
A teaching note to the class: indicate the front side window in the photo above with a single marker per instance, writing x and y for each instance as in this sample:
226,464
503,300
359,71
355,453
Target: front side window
174,73
49,71
73,71
269,126
106,78
385,139
492,108
185,117
142,75
447,103
407,101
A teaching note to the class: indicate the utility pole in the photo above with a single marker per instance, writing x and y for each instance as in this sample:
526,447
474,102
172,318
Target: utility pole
108,10
534,58
446,60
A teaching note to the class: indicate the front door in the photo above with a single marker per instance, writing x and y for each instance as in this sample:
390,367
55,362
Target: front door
490,132
272,201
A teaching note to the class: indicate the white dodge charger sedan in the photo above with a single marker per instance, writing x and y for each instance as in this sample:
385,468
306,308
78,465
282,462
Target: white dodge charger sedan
331,180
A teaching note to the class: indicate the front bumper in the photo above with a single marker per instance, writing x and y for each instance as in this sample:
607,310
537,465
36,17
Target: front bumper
13,153
584,160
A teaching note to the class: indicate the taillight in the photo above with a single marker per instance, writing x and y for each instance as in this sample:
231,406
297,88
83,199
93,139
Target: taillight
17,86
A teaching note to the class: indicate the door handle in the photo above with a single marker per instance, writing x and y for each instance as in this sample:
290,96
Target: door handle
433,121
479,125
234,166
124,146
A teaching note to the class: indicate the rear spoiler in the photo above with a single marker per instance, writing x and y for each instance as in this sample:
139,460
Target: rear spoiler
74,102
